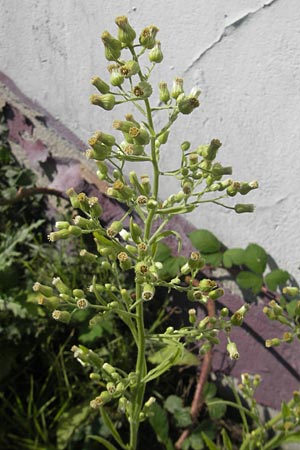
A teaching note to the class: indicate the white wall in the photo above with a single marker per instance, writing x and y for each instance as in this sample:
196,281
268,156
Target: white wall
245,56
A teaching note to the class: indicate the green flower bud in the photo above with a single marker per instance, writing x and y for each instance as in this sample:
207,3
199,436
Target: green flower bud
152,204
83,202
148,292
145,183
62,225
132,149
186,105
105,101
124,126
241,208
155,55
99,154
210,152
205,348
232,350
192,316
126,33
291,291
185,146
225,184
129,69
164,94
162,138
224,312
50,302
139,135
135,231
207,285
95,207
75,231
142,200
78,293
124,261
122,405
73,197
57,235
102,87
275,342
103,138
218,170
82,303
61,316
233,188
141,268
177,87
111,387
47,291
112,47
82,222
216,294
61,286
116,78
195,262
114,228
187,187
247,187
147,36
238,317
142,90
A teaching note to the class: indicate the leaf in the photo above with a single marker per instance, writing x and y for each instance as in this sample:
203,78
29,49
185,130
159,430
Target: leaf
216,410
171,266
210,444
233,257
249,280
108,445
69,422
291,306
214,259
294,437
195,441
275,278
183,417
162,252
205,241
209,391
165,358
226,439
159,421
173,403
89,336
255,258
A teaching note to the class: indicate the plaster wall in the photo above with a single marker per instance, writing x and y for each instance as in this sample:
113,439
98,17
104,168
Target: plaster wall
244,55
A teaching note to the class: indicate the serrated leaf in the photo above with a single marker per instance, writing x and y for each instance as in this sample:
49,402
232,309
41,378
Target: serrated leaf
233,257
249,280
69,422
255,258
216,410
183,417
205,241
159,421
276,278
173,403
213,259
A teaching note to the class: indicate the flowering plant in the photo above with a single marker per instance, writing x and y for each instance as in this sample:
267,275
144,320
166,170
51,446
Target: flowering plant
130,243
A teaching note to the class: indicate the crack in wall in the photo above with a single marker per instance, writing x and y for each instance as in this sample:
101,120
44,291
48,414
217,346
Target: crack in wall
230,28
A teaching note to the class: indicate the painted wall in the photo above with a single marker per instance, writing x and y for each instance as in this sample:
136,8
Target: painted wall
245,56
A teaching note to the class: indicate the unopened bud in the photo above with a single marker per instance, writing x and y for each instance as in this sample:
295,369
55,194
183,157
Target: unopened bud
102,87
147,36
105,101
155,55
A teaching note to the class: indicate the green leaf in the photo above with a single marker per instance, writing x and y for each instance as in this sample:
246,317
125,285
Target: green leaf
194,441
285,410
69,422
159,421
183,417
162,252
216,410
168,356
213,259
210,444
108,445
294,437
205,241
233,257
209,390
291,306
276,278
90,336
171,266
255,258
173,403
249,280
226,439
